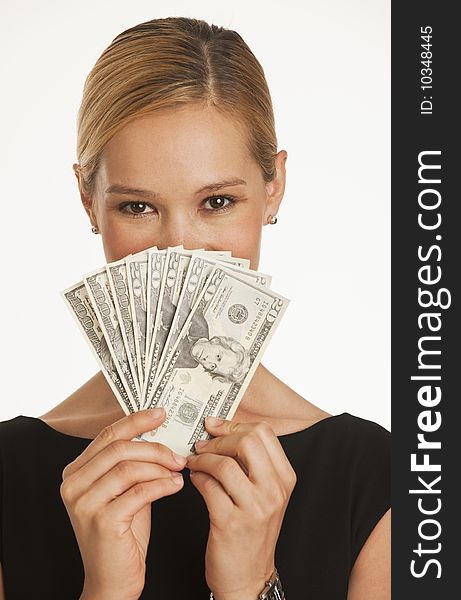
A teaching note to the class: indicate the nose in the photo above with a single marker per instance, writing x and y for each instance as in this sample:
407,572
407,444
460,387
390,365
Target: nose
177,229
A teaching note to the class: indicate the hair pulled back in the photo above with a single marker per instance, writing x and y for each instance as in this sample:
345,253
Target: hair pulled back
167,63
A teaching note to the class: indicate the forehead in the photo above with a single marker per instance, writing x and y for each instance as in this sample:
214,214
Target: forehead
192,143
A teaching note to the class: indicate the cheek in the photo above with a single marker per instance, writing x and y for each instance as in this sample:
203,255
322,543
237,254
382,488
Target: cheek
243,240
117,248
241,235
119,240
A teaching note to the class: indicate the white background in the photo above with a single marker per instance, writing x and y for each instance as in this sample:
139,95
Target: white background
328,68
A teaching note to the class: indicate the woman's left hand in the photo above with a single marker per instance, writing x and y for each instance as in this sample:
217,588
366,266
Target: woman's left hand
246,481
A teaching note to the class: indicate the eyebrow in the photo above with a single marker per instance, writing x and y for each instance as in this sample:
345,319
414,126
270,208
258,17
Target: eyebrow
150,195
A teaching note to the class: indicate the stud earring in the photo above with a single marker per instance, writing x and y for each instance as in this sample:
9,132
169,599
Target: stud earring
272,220
95,230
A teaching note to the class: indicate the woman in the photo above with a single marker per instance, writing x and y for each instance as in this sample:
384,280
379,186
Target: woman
177,145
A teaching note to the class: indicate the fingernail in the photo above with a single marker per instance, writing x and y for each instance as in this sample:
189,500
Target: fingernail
176,477
214,421
200,443
156,413
181,460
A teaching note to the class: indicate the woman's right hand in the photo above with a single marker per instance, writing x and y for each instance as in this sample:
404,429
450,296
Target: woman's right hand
107,492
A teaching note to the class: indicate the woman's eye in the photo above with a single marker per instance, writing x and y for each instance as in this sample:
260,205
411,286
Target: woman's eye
218,202
137,208
213,204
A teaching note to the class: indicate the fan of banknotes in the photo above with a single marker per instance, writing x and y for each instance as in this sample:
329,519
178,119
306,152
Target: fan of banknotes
182,329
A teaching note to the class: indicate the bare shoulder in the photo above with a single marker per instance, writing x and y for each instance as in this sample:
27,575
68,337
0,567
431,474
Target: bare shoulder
86,411
312,415
270,399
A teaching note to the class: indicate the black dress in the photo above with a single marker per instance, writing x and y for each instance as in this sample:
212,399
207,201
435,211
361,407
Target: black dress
343,489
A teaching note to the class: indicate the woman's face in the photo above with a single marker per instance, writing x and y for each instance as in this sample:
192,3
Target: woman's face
157,179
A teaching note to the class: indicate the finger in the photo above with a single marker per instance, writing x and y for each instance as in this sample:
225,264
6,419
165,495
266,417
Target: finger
265,432
227,472
120,479
248,449
125,428
124,508
116,453
217,500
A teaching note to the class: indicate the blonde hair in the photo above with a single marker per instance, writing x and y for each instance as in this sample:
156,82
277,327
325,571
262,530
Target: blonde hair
167,63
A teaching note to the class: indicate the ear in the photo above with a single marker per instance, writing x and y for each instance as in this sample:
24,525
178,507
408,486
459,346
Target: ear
86,200
276,188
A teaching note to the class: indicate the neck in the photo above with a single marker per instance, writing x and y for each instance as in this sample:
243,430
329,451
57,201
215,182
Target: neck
266,398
